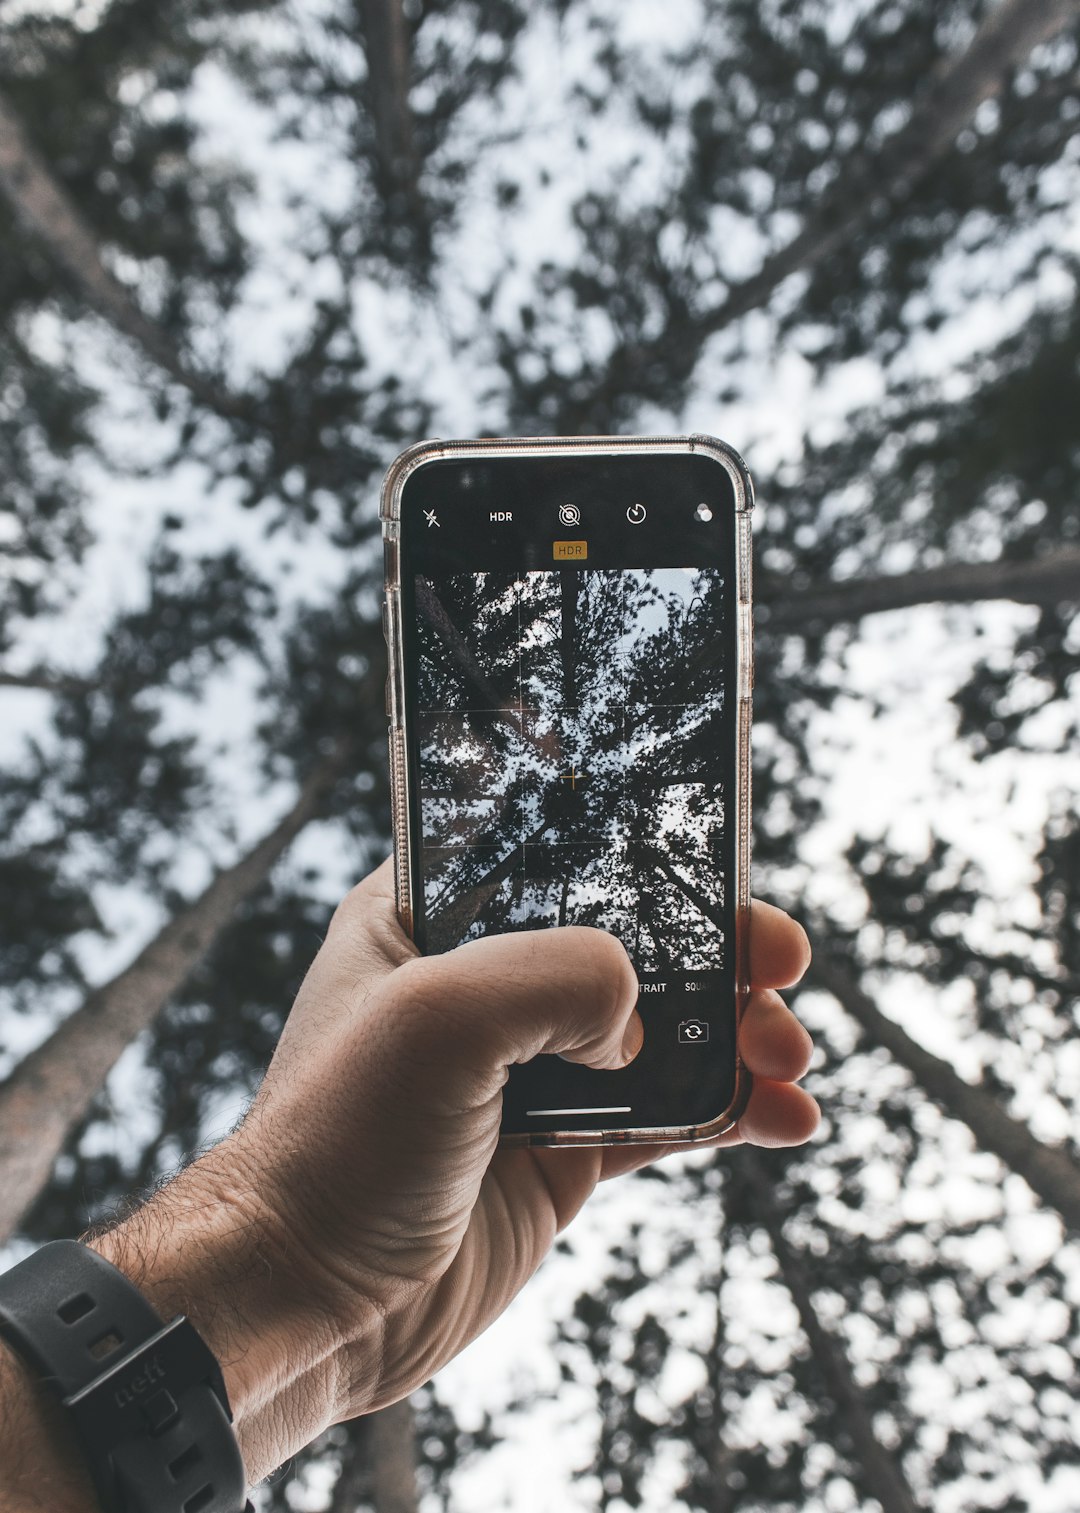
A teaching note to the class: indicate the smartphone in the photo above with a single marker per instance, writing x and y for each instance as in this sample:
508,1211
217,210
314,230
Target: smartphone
570,651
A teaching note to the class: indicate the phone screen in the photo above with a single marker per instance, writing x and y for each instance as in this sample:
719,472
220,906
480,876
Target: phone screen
569,669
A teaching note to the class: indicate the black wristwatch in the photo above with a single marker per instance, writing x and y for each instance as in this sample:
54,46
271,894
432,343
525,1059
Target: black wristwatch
146,1398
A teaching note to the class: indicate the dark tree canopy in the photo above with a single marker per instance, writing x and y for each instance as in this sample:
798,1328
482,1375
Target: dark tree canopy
248,251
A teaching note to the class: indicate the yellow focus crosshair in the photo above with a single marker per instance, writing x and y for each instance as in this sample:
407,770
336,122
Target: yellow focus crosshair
571,776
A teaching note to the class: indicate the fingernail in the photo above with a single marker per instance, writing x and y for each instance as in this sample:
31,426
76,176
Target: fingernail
633,1036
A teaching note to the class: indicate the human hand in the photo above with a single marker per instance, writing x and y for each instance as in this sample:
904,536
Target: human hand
389,1226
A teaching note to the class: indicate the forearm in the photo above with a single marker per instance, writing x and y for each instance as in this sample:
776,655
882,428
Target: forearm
204,1246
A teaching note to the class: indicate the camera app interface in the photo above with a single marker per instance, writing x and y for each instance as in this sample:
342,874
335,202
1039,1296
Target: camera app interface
574,733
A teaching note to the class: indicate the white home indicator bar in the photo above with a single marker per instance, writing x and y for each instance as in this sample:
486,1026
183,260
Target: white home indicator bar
536,1113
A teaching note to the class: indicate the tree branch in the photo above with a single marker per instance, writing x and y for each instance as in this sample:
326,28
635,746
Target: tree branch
448,926
1050,1173
47,682
52,1088
1049,580
709,907
1004,40
45,208
887,176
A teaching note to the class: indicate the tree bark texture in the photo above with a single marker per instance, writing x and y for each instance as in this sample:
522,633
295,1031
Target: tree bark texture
881,1474
1050,1173
1049,580
45,208
52,1088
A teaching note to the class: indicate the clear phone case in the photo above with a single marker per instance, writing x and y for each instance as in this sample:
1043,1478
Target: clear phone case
401,469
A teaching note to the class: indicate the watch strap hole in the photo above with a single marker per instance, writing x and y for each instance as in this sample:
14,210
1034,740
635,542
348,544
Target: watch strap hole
183,1463
201,1499
106,1344
75,1308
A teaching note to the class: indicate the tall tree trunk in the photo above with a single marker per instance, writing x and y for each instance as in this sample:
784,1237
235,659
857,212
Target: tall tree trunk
1049,580
718,1493
434,612
45,208
569,592
709,907
882,1476
351,1488
52,1088
386,45
449,926
392,1442
1050,1173
378,1466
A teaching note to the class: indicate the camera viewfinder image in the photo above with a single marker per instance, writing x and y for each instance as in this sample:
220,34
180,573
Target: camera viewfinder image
571,740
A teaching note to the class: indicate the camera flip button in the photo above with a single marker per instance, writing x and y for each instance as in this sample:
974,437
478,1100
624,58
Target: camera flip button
693,1031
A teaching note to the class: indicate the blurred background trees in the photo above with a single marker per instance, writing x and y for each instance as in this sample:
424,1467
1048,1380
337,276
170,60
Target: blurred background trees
248,250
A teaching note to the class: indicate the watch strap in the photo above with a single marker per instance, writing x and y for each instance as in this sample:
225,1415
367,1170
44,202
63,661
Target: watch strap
67,1310
147,1399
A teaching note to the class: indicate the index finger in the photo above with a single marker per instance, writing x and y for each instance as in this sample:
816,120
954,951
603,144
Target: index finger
779,948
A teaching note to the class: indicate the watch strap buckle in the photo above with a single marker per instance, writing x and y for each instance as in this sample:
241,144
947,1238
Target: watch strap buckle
132,1396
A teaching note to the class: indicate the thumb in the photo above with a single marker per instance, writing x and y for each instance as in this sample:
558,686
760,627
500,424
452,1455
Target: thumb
381,1119
504,999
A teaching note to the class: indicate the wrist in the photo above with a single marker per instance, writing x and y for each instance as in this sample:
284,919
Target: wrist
42,1467
208,1247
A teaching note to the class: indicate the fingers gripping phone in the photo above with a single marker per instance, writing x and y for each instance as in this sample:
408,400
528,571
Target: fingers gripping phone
569,630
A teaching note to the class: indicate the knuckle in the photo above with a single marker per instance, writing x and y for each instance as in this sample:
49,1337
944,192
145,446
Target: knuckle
604,969
424,1000
604,989
355,900
350,914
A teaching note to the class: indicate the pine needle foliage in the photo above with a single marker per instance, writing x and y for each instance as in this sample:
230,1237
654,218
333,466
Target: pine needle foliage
248,251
